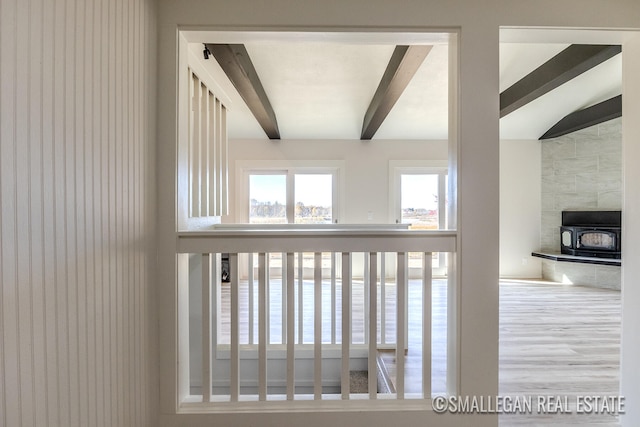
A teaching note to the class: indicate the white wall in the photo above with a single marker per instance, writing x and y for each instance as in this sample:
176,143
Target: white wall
366,185
519,208
630,352
77,124
366,168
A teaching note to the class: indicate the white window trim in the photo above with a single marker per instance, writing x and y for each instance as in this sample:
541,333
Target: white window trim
397,168
244,168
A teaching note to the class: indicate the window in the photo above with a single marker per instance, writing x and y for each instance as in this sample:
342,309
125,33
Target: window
268,198
306,193
419,195
291,196
419,199
313,195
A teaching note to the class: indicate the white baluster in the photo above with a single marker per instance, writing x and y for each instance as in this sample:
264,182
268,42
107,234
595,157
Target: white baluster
216,301
383,299
427,260
400,323
373,321
206,327
291,357
204,152
234,376
317,326
267,311
333,298
212,191
251,299
346,322
300,299
262,326
284,269
366,295
194,154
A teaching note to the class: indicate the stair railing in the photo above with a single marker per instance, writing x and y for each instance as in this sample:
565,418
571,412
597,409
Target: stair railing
239,245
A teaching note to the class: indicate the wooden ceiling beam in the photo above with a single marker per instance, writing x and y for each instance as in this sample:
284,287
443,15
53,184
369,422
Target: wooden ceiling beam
402,66
568,64
236,63
596,114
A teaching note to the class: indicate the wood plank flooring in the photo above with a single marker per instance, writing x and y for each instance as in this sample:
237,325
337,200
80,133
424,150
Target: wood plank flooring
558,340
555,340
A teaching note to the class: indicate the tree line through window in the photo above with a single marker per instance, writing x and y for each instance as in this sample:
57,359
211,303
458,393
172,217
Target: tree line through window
311,196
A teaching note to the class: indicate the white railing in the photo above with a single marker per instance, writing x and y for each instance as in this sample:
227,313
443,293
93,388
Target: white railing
308,360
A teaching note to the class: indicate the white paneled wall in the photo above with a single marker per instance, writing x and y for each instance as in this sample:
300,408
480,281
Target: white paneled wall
77,109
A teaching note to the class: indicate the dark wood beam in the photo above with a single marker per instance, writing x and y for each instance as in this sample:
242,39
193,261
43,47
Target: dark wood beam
236,63
568,64
599,113
402,66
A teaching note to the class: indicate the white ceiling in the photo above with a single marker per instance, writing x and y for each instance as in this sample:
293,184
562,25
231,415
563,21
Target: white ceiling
321,89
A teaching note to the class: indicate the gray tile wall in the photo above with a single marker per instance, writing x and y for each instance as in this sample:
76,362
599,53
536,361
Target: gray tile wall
582,170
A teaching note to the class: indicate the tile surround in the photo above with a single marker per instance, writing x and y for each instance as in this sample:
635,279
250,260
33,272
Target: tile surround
600,276
610,162
582,170
608,277
563,147
609,199
572,167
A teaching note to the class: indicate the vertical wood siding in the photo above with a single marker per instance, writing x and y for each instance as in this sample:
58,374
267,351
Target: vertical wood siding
76,128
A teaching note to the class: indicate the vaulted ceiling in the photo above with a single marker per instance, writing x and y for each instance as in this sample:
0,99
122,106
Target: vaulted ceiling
317,89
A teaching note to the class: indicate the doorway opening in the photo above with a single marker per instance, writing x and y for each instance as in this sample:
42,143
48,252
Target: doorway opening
548,165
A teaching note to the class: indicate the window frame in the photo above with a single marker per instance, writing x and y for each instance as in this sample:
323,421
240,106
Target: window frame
290,169
397,168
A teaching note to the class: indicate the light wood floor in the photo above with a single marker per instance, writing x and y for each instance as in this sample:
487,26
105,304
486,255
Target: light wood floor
555,340
559,340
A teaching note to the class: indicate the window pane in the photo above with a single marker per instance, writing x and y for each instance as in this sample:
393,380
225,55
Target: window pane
268,199
419,200
313,197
